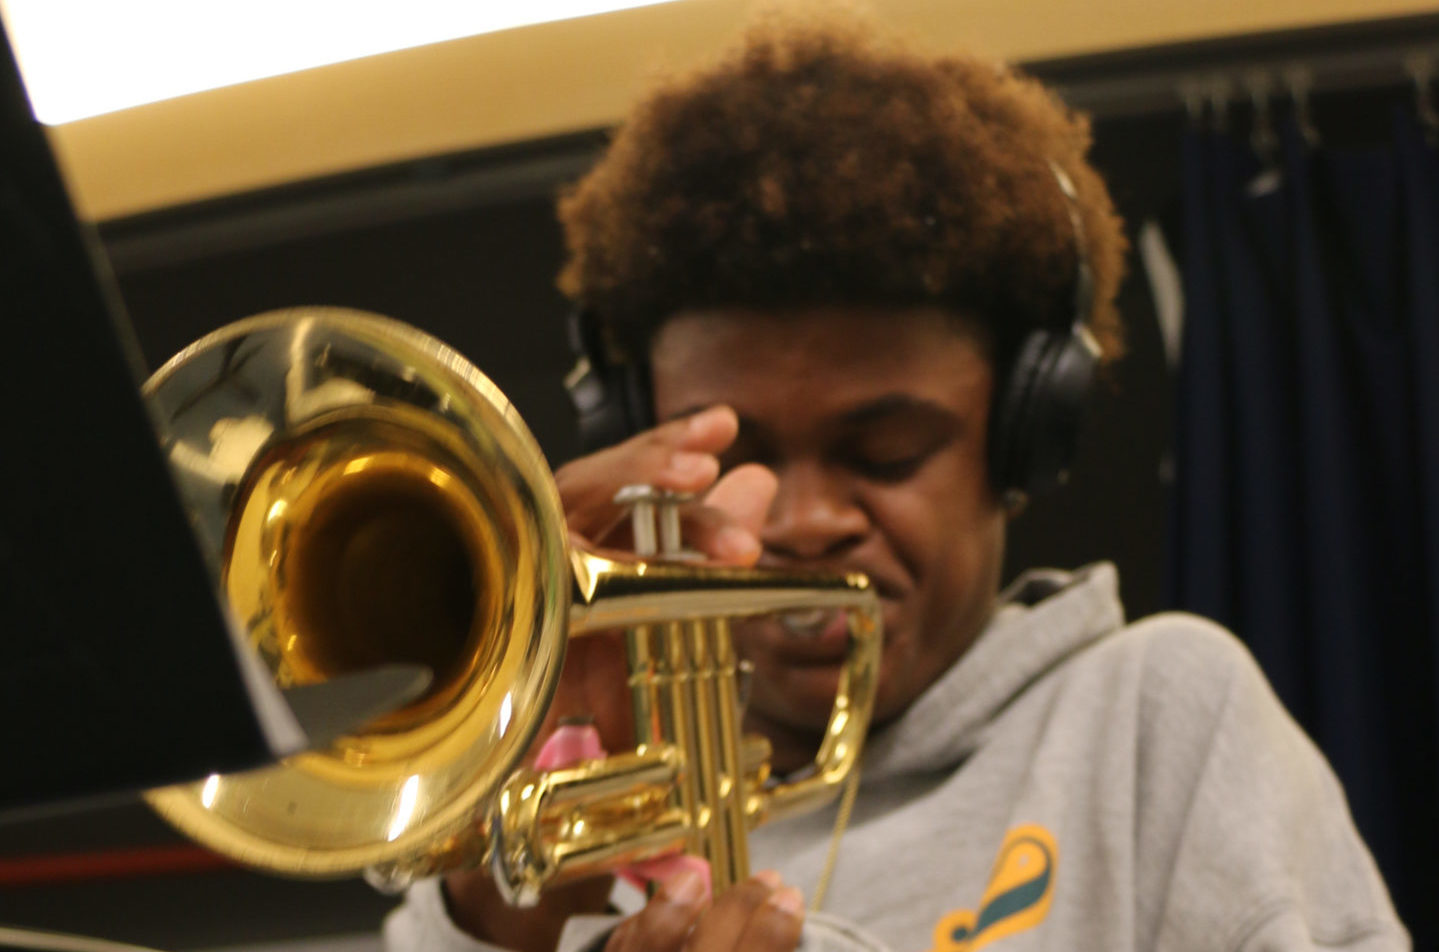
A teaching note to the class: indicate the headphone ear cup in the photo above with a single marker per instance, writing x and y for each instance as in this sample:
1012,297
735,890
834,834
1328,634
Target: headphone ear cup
612,400
1007,428
1037,427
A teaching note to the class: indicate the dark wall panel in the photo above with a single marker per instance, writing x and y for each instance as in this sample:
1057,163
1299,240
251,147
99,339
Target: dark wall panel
482,280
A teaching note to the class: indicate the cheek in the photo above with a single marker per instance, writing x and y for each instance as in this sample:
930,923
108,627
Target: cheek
949,538
964,578
942,524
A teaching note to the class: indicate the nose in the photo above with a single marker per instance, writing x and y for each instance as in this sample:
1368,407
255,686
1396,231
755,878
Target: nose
815,514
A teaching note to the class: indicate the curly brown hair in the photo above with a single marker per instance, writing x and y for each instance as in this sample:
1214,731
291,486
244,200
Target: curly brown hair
816,164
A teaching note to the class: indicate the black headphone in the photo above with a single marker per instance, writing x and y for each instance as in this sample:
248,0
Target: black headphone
1034,427
612,398
1034,430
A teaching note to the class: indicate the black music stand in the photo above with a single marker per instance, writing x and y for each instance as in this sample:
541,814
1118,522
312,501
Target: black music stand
117,669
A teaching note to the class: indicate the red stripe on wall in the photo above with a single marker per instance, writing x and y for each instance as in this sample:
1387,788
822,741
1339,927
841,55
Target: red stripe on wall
56,868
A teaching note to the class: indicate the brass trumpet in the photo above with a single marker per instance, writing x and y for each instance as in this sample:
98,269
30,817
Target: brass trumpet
368,496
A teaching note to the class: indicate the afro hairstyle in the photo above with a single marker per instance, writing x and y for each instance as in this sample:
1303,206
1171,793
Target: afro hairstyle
819,163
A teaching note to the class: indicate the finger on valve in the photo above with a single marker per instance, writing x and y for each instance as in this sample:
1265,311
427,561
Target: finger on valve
726,529
680,456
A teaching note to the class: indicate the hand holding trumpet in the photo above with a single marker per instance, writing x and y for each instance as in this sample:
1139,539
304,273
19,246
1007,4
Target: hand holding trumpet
679,456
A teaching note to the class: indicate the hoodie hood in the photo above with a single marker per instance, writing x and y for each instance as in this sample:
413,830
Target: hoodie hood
1043,618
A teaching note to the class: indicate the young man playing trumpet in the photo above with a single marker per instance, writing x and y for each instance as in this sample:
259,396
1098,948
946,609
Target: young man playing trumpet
852,295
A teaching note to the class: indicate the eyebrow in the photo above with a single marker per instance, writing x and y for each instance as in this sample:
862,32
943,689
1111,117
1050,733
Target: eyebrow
894,404
871,412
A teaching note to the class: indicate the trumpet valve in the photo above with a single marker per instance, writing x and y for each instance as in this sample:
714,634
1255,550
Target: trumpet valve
655,520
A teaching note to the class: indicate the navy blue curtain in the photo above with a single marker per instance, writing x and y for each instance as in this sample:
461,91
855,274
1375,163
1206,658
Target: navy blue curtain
1306,507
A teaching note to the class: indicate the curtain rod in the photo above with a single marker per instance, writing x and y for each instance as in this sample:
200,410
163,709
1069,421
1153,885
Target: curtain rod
1370,54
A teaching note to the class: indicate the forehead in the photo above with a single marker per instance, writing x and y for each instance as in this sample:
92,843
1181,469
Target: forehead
829,360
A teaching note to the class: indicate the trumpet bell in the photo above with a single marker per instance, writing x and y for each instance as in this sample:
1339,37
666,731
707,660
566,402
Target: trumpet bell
368,497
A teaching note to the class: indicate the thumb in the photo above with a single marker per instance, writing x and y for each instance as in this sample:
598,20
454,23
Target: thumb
745,495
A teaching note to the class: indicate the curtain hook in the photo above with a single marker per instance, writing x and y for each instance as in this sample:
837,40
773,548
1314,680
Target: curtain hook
1191,92
1218,90
1299,79
1420,68
1262,138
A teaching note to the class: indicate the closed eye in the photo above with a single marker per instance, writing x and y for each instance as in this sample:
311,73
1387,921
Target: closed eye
888,469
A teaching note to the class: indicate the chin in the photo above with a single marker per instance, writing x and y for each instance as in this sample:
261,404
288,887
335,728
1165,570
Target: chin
800,697
804,699
888,708
890,697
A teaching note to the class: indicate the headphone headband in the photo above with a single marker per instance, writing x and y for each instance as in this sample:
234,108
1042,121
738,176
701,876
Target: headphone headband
1084,275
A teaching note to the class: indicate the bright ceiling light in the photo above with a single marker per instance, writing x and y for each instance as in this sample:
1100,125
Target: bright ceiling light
86,57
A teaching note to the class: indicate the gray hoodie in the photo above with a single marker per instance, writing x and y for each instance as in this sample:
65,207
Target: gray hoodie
1076,783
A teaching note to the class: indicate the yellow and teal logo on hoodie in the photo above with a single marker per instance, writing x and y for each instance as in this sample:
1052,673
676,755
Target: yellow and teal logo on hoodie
1017,898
